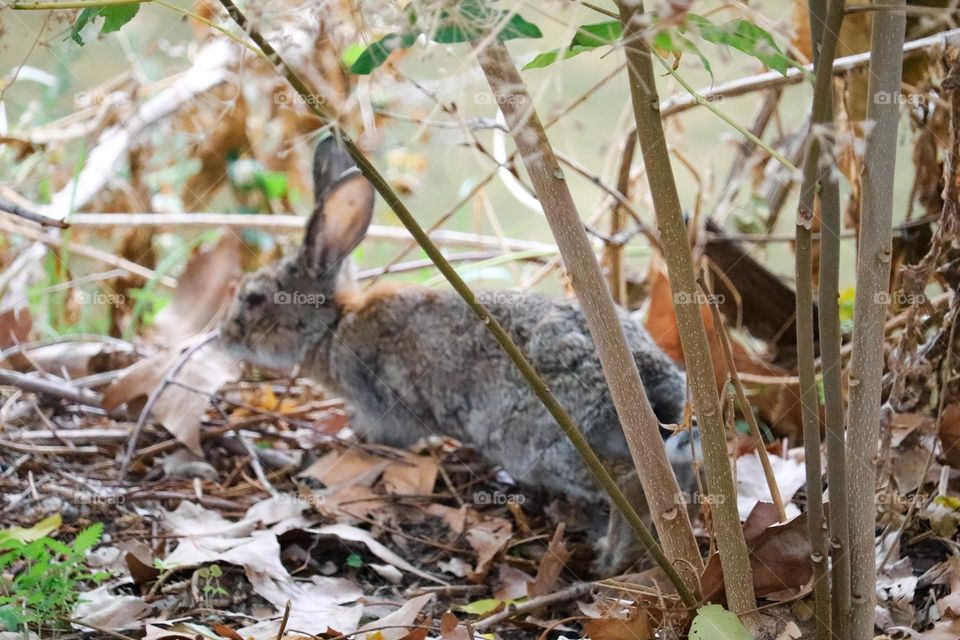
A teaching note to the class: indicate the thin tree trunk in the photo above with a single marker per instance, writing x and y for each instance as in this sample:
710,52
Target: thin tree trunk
870,309
640,425
737,574
825,23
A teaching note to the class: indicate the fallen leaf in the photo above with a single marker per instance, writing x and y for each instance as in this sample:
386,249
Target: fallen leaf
412,475
551,565
353,534
226,632
950,434
713,622
636,626
107,610
779,555
752,484
451,629
15,325
487,535
28,534
204,290
405,616
341,467
512,583
180,407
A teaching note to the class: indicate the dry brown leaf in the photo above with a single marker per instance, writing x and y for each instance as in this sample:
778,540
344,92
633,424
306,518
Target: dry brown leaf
551,565
180,407
412,475
487,535
203,291
346,466
451,629
635,627
15,325
950,434
779,405
224,631
512,583
779,555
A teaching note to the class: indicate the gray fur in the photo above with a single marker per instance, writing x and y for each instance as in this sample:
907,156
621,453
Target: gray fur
415,362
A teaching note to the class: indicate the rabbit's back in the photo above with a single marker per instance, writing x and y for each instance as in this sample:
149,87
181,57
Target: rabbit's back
415,362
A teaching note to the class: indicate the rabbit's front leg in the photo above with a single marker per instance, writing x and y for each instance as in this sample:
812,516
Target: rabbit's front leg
619,549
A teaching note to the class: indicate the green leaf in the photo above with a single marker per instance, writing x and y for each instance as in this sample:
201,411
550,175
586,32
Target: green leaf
88,537
40,530
354,560
587,38
11,618
744,36
597,34
677,42
273,184
713,622
378,52
473,19
517,27
114,17
351,53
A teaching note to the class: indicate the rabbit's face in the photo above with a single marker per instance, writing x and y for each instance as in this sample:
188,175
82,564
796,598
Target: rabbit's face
282,313
279,314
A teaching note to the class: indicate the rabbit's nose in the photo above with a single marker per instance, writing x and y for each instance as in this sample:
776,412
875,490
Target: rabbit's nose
254,299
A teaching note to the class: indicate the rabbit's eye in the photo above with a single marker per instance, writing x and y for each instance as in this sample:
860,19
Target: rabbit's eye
254,299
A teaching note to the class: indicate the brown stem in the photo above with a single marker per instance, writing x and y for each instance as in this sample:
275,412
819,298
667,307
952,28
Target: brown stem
870,308
825,23
734,561
640,425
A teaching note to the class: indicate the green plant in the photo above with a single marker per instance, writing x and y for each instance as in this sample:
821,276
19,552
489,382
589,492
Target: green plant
211,581
46,578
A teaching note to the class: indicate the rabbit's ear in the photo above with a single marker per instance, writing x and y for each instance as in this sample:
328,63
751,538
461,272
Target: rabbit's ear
338,224
331,162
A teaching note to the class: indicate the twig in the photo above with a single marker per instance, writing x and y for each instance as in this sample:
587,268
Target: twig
772,79
283,622
255,465
572,592
59,389
47,450
289,223
155,395
825,23
615,272
87,252
13,208
747,410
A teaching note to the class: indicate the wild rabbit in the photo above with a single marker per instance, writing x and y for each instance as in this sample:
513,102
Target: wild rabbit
415,361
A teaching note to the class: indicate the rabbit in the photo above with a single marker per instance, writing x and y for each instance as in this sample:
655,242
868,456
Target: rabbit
414,361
